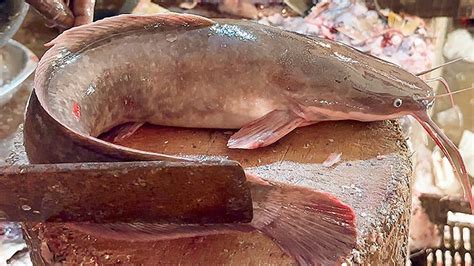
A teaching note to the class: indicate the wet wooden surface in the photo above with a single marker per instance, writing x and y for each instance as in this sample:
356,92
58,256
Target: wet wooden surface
373,178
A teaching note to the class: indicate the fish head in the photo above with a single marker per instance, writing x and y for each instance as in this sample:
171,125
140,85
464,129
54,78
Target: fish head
381,90
370,101
349,84
399,101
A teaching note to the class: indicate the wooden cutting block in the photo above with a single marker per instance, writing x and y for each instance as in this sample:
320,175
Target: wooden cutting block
373,178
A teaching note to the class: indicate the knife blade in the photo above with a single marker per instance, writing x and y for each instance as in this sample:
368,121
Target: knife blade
148,191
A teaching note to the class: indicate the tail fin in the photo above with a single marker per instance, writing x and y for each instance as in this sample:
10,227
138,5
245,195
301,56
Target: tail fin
311,226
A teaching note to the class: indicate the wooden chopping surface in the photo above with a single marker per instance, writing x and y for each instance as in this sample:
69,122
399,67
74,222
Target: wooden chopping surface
373,178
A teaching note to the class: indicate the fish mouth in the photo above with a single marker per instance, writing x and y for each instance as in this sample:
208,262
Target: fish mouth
448,148
426,102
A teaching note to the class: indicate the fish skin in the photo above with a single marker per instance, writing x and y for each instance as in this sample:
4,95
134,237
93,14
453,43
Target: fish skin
294,75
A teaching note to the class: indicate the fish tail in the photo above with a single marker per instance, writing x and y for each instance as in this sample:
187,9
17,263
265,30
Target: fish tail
312,226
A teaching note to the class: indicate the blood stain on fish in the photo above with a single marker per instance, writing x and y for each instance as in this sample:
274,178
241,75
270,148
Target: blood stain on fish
76,110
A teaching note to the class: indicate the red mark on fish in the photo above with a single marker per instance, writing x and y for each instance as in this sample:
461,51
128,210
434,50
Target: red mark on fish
76,110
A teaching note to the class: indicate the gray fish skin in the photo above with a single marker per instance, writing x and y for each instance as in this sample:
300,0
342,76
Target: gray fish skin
224,75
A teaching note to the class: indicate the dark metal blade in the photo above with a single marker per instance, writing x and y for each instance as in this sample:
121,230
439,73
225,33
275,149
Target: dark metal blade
150,191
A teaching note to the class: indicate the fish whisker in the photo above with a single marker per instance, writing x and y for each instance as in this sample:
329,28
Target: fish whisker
446,86
440,66
443,142
445,94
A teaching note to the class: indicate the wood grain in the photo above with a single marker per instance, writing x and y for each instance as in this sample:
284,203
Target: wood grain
373,178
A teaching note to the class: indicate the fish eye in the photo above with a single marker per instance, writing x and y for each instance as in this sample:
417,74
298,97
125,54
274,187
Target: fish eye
397,103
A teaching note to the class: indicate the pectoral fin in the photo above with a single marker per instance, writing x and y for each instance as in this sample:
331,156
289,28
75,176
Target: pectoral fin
266,130
121,132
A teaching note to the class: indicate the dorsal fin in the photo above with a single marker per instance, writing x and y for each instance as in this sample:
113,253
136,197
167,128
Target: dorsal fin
75,39
89,33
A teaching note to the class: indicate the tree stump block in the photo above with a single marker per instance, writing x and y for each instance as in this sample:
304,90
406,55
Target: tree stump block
373,177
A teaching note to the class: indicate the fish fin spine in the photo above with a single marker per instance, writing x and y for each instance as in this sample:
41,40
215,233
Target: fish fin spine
265,130
121,132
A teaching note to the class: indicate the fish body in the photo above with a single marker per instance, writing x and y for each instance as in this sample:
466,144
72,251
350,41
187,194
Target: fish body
188,71
221,74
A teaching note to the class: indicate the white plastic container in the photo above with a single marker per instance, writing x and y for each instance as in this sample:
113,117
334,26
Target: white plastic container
12,14
17,63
